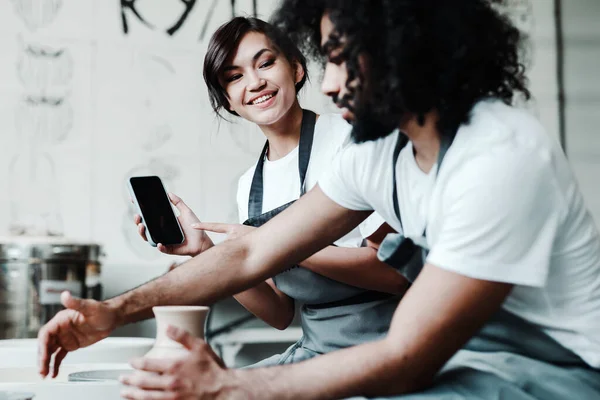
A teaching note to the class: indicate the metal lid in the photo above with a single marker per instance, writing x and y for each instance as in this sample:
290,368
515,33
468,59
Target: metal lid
47,249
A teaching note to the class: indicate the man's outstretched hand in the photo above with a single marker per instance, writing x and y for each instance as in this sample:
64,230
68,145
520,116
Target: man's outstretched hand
83,323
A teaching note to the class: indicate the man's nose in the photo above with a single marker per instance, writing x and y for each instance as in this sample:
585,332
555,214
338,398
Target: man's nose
330,86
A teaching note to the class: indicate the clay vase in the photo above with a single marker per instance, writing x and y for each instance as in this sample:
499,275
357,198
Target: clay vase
188,318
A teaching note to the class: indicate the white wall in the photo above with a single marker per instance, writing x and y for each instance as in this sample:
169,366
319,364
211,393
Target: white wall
582,81
83,106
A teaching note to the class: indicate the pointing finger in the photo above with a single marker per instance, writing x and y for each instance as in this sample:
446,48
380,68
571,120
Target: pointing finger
212,227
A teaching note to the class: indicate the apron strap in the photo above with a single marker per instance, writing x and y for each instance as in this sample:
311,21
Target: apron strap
307,130
400,144
445,143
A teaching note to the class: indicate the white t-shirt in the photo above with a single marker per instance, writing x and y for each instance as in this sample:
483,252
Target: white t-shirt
504,207
281,180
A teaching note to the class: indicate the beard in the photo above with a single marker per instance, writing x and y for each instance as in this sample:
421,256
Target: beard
368,123
370,126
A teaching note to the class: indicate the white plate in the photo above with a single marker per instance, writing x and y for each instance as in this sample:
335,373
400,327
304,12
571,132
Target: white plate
67,391
16,395
30,374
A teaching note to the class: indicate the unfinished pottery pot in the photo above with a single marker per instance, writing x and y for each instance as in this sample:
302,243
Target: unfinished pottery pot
188,318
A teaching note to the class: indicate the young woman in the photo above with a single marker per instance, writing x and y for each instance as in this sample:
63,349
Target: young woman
348,296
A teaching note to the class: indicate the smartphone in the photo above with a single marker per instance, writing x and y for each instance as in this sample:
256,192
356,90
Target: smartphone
155,208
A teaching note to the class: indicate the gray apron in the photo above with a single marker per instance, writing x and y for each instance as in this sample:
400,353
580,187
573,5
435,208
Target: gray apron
333,315
509,358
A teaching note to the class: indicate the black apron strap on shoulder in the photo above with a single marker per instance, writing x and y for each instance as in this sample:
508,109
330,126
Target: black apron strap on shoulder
400,144
307,133
397,250
307,129
445,143
255,199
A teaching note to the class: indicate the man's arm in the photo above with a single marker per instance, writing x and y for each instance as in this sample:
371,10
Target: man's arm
237,265
221,271
426,331
358,267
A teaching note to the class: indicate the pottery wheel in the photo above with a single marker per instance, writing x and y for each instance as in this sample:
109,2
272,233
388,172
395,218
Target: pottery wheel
96,376
16,396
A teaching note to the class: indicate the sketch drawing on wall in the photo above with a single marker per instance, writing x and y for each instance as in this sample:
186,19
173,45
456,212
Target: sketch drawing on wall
44,69
34,199
168,174
211,10
37,14
208,18
43,118
45,114
234,9
131,9
155,16
154,87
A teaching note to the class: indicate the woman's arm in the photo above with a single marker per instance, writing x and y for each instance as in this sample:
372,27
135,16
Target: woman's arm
353,266
360,266
269,304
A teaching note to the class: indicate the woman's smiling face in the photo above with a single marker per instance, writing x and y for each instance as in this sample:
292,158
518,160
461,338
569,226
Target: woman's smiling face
259,80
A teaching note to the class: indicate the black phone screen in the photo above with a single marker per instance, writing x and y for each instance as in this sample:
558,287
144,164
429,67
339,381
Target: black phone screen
156,210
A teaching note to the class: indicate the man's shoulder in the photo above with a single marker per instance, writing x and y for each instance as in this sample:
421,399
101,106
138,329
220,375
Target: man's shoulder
502,135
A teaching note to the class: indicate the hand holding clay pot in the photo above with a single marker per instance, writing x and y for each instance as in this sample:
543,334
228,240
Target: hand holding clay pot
200,374
187,318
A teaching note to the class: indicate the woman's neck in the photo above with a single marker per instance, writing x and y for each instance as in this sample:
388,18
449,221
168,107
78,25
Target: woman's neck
284,135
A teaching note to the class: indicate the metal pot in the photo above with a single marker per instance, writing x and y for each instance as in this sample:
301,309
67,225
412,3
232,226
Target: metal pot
33,273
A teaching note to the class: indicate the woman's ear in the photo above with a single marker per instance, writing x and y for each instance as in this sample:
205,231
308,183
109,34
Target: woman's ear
227,104
298,72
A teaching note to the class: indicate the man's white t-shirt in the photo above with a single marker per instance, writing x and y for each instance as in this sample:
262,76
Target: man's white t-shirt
504,207
281,179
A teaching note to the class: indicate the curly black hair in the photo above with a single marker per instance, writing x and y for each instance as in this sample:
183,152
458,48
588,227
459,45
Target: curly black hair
225,41
423,55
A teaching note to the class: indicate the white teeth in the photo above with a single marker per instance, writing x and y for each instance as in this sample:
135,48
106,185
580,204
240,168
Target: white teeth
262,99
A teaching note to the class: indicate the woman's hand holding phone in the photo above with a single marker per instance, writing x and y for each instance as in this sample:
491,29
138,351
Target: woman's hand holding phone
196,241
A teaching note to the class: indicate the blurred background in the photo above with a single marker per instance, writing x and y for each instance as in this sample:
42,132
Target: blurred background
92,92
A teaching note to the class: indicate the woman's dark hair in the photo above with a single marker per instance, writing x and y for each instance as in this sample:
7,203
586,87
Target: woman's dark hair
422,55
226,40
